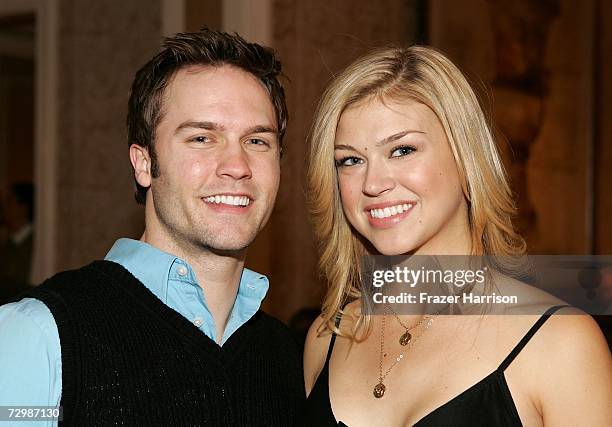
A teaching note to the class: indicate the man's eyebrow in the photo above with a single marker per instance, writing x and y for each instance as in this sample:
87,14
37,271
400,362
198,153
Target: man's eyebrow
396,136
262,129
218,127
190,124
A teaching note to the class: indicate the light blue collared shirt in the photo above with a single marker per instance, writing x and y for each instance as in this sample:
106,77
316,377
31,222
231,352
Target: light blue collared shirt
30,351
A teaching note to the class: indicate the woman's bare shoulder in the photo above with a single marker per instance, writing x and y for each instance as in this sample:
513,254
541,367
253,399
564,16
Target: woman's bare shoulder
567,332
315,351
575,336
570,325
571,360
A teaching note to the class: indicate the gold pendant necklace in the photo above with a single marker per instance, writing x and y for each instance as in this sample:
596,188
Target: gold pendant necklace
407,336
405,340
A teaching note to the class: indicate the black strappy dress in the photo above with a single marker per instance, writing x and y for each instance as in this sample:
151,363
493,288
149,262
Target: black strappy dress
487,403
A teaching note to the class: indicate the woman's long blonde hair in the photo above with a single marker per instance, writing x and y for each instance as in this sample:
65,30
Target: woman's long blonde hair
425,75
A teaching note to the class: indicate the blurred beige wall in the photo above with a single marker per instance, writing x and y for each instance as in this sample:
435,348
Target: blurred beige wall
100,46
544,66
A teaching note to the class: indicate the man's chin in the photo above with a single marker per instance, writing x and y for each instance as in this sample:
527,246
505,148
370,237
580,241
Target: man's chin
230,252
228,247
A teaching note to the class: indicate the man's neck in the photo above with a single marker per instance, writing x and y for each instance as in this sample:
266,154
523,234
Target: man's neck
217,274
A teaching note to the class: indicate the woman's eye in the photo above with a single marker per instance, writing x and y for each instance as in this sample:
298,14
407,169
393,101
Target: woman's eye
402,151
348,161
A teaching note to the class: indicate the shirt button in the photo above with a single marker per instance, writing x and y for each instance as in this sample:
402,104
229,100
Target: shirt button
182,270
198,322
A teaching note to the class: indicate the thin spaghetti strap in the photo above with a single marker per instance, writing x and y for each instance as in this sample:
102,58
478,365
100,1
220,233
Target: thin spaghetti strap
522,343
333,339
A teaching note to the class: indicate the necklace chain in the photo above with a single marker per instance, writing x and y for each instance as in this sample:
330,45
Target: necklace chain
416,325
380,388
382,376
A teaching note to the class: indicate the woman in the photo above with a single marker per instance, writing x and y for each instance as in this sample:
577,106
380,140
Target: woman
403,162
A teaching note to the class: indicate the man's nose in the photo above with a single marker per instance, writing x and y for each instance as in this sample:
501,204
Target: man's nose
234,162
378,180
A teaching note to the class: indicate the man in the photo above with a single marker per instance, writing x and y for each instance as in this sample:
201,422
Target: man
167,330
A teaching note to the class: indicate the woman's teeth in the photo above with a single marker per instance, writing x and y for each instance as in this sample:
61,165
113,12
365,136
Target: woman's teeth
390,211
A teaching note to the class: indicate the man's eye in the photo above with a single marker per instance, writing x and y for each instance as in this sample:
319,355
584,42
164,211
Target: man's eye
200,139
348,161
402,151
257,141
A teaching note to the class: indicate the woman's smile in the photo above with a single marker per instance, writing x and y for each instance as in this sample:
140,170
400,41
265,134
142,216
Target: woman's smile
388,214
398,178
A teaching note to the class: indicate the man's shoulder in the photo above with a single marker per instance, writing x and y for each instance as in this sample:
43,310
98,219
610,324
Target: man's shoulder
26,310
268,321
74,283
270,325
273,338
80,277
36,303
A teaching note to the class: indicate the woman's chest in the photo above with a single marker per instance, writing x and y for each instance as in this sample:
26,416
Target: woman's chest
443,372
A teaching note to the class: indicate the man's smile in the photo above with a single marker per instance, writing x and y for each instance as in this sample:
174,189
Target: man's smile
239,200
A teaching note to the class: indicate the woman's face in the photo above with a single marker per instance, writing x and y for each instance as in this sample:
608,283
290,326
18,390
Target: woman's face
398,179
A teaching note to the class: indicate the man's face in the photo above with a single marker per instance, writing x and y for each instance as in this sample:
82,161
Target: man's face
218,155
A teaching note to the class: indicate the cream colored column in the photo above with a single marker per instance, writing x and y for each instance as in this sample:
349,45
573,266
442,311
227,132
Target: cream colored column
252,19
173,17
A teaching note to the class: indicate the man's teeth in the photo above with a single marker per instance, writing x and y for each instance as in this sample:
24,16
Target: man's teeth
390,211
229,200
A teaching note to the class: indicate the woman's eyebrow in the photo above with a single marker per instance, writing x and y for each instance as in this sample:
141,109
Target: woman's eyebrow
396,136
383,141
344,147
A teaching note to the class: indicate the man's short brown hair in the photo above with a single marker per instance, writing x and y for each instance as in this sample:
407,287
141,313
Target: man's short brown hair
206,47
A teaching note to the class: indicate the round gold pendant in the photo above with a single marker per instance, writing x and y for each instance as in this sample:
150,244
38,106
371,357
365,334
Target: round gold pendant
379,390
405,339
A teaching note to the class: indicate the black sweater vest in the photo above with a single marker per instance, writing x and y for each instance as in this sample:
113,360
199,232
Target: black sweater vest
128,359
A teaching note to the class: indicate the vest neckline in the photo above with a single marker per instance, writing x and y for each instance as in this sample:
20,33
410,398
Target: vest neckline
121,277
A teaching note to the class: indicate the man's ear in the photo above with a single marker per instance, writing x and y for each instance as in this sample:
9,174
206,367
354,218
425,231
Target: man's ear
141,162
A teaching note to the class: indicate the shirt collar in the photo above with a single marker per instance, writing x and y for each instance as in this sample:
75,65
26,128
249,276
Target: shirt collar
251,292
148,264
154,267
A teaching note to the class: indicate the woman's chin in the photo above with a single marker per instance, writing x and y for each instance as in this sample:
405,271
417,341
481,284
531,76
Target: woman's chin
394,250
